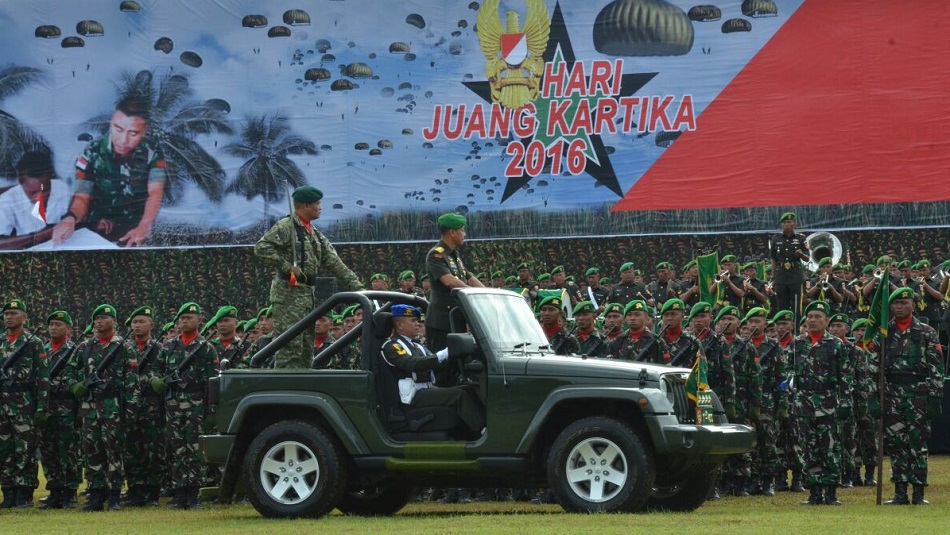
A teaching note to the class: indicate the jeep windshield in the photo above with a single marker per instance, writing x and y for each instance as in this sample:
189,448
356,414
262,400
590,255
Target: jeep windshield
508,321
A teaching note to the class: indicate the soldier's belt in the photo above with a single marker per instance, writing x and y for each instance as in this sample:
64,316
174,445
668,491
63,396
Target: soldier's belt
301,279
787,265
905,378
189,389
61,396
105,393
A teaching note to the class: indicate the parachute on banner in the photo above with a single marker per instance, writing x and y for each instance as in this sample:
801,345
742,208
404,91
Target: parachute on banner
455,49
427,145
296,17
218,104
409,57
326,147
542,183
361,146
351,44
317,74
416,20
337,206
642,28
759,8
405,85
278,31
327,58
473,6
372,55
456,33
428,94
358,70
398,47
191,59
90,28
47,31
164,44
85,137
72,42
387,92
407,132
384,144
341,85
736,25
322,45
129,5
375,152
463,24
254,21
665,139
705,13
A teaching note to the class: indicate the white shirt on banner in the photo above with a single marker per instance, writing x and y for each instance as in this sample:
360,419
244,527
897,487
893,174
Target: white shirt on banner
16,209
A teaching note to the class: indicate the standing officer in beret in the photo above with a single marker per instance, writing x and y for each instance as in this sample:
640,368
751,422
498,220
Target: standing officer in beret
613,322
299,253
561,340
23,396
59,438
145,453
628,289
446,271
596,294
560,280
183,383
664,287
788,252
226,343
913,392
104,395
820,396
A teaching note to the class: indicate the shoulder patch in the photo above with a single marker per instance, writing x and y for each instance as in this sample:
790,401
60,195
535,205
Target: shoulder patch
439,249
399,349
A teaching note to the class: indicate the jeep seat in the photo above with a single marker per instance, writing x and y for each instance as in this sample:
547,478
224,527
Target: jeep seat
402,421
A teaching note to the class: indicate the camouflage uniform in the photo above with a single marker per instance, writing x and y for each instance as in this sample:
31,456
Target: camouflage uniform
847,427
146,453
315,258
767,458
913,390
563,342
118,189
865,376
629,347
592,344
60,447
720,374
259,344
748,405
681,350
102,409
237,352
185,407
823,382
23,393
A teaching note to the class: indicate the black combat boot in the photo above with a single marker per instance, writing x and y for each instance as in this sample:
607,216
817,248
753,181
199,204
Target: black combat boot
741,486
24,497
846,481
9,498
869,480
797,485
152,493
768,486
900,495
136,496
781,482
97,499
918,498
115,496
54,500
815,497
69,498
831,495
180,501
194,494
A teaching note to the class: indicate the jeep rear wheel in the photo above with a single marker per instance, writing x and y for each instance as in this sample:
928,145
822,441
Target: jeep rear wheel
379,501
294,469
600,465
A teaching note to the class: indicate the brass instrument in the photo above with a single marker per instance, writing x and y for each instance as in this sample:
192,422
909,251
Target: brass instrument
824,283
879,273
721,276
822,245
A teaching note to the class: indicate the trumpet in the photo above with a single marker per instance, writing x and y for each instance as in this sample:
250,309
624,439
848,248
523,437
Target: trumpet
721,276
824,282
879,273
945,273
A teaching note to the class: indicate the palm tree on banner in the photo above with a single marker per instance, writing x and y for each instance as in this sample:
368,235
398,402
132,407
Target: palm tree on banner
15,137
176,119
266,144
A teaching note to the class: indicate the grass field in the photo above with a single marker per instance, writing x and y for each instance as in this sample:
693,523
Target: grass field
780,515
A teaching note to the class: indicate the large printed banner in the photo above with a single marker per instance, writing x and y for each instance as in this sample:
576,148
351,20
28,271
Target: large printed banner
180,123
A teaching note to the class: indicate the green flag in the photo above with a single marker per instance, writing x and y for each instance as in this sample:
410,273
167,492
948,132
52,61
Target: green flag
708,269
697,382
879,315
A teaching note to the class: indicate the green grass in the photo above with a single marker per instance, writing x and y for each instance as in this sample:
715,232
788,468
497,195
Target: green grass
780,515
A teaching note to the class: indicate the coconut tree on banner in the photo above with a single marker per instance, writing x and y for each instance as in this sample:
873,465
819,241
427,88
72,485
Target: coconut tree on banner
176,119
15,137
266,144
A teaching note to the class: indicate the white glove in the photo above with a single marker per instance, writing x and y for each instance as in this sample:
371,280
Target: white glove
442,355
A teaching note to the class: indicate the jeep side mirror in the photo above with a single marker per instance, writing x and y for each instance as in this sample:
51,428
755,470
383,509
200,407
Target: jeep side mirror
461,345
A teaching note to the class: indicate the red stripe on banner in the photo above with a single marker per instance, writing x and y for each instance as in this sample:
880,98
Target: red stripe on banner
847,103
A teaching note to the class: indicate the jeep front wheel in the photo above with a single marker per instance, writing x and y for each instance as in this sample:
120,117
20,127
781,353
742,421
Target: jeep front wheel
599,464
294,469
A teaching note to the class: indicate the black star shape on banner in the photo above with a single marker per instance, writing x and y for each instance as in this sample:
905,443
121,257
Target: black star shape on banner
602,172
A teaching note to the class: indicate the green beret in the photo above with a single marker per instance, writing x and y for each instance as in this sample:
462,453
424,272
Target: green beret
188,308
511,279
674,305
820,306
838,266
379,276
408,274
882,260
87,330
140,311
787,215
523,265
551,300
840,317
557,269
824,261
481,275
241,325
569,278
701,307
922,264
727,311
626,266
497,274
307,194
604,280
14,304
613,308
337,320
544,277
226,311
901,293
664,265
945,264
451,220
350,311
689,264
868,269
267,312
584,307
60,315
755,312
104,310
424,277
728,258
903,264
167,327
591,271
859,323
747,265
250,324
783,315
637,305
